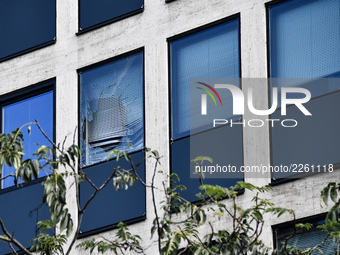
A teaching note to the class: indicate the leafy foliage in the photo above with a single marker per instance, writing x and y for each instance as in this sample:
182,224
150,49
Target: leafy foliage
176,225
44,243
125,241
46,159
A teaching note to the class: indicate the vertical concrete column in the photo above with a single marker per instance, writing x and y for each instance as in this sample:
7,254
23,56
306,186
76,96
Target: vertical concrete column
66,51
256,140
254,66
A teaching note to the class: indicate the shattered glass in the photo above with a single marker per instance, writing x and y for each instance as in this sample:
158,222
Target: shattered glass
112,109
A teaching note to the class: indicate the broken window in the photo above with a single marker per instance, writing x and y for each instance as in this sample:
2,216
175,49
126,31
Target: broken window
111,108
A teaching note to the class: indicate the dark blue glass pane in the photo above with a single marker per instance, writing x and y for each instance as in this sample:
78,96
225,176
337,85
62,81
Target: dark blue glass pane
17,114
26,24
223,145
211,53
314,141
112,109
20,210
110,206
94,12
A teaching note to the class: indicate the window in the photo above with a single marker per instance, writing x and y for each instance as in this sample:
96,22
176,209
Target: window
93,14
303,238
25,26
112,117
304,44
23,204
112,109
209,53
23,109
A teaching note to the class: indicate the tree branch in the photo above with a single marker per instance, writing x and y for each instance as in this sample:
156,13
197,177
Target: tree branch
133,168
12,248
9,175
81,211
155,207
54,145
11,239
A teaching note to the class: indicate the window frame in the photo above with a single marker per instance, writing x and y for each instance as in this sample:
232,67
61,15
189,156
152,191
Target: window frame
170,100
140,218
278,181
37,47
290,225
22,94
188,33
101,63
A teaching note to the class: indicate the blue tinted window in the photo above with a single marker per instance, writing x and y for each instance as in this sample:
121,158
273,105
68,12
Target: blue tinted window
112,117
305,43
211,53
112,109
302,238
123,205
19,113
304,39
20,211
25,25
93,12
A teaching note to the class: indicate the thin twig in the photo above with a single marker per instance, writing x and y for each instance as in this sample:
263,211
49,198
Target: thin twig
155,206
133,167
91,183
97,190
11,239
81,211
320,245
74,135
9,175
48,138
54,145
63,146
12,248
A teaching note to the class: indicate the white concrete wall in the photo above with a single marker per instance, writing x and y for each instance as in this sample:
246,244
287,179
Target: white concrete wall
150,30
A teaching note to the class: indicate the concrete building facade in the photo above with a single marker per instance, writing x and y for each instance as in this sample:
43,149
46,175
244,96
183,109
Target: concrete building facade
149,31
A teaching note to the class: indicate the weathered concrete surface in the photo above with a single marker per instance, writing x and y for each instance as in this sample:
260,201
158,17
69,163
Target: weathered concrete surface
150,30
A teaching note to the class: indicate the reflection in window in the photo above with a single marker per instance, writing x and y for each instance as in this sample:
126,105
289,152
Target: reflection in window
111,109
19,113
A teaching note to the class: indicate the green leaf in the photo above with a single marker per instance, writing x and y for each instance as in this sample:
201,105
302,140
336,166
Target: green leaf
36,168
64,222
112,153
333,194
202,158
324,194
